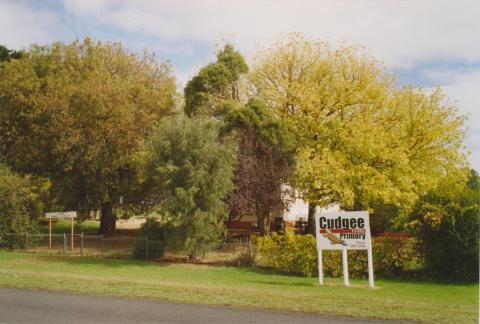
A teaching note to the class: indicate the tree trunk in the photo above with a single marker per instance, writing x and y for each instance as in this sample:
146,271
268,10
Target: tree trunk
311,220
108,219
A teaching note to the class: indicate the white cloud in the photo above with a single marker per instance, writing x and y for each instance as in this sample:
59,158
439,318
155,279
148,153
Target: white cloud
400,32
20,25
465,89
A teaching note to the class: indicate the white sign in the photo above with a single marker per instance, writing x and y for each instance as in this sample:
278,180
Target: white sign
343,230
70,214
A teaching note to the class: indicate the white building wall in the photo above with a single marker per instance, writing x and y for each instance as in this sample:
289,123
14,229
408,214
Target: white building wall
297,208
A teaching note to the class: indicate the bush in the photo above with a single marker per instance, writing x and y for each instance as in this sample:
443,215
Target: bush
393,255
446,223
288,253
17,207
154,233
189,171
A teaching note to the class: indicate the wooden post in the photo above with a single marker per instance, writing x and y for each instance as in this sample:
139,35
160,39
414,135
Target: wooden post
72,234
50,233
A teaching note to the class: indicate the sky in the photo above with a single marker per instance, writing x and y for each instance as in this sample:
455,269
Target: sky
425,43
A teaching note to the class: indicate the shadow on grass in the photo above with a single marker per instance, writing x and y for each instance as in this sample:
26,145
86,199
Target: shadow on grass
271,271
414,280
97,261
281,283
298,279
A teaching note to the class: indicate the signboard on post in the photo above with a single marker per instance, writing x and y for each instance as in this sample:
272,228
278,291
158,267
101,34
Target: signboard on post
57,215
70,214
343,231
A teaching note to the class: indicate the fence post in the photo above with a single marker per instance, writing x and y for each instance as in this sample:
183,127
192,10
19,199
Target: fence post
81,244
64,242
146,248
26,242
102,244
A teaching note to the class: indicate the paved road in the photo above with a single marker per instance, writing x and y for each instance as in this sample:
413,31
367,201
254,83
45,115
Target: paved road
24,306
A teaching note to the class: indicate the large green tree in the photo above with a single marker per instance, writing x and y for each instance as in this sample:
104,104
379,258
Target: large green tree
215,83
77,113
189,171
362,141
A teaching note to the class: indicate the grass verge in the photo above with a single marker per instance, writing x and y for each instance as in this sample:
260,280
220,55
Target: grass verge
241,287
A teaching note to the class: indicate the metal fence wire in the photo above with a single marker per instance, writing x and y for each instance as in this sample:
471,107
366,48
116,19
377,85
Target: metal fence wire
122,247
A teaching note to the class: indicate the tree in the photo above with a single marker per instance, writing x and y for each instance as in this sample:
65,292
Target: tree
215,83
264,161
362,142
447,221
6,54
189,171
77,114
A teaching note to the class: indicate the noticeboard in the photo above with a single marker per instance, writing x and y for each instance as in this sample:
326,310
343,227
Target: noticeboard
343,230
70,214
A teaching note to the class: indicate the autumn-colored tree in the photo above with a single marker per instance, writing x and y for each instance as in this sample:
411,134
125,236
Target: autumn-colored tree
362,141
77,113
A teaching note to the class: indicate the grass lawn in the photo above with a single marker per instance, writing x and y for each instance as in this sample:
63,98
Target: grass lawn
241,287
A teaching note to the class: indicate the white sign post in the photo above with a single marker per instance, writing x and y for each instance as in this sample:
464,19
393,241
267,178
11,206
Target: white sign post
343,231
70,214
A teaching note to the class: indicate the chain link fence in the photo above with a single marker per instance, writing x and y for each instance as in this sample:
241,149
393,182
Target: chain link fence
123,247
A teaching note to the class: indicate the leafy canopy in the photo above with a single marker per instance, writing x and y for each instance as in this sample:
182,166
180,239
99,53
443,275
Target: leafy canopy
215,82
362,141
77,113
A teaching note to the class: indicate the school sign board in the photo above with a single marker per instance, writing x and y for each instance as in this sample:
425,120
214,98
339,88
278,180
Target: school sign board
56,215
70,214
343,231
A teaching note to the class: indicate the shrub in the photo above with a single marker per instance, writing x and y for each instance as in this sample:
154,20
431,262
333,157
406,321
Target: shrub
17,207
392,255
446,223
288,253
189,171
154,233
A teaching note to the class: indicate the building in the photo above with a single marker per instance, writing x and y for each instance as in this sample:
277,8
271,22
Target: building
294,214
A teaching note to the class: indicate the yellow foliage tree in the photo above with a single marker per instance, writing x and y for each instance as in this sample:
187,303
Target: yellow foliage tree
362,141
